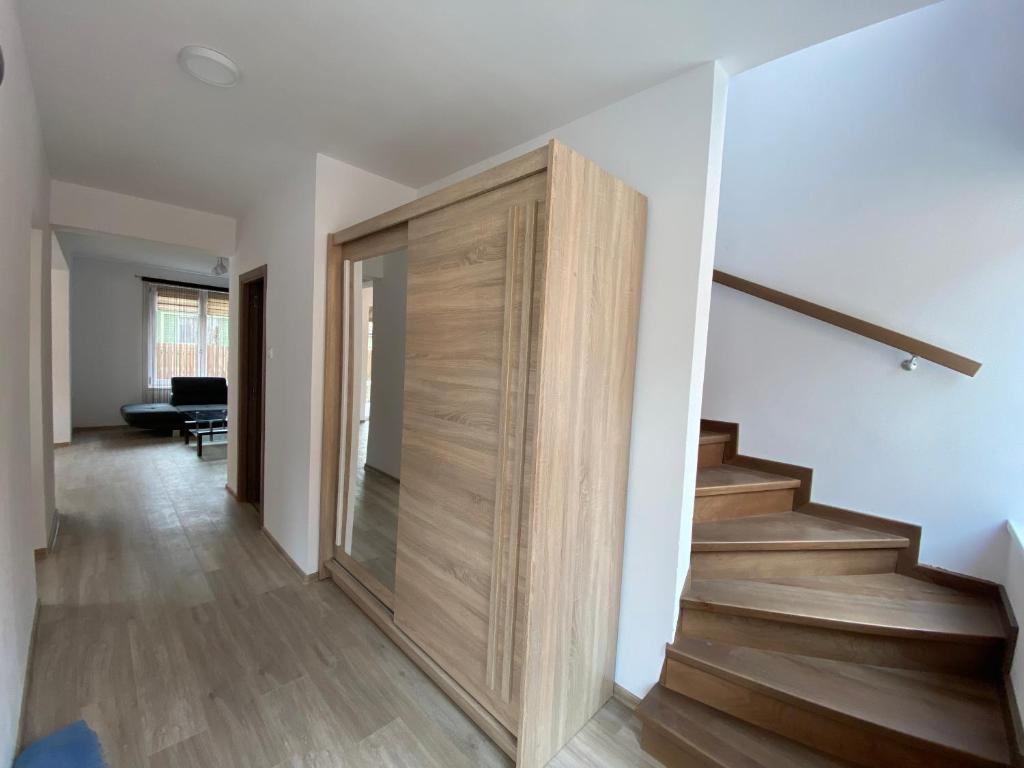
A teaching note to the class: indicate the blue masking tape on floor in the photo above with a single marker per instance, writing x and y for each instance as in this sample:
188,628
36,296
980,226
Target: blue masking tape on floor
75,746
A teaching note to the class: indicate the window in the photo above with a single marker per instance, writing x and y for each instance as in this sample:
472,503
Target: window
187,335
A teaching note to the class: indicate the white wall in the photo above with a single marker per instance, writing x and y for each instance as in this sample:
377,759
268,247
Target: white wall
287,230
23,202
107,336
73,205
384,442
666,142
35,390
278,232
60,325
882,174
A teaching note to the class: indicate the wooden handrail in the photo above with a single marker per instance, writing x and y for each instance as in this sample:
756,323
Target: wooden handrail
908,344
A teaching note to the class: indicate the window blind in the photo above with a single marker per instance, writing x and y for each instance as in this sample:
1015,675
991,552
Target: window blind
186,335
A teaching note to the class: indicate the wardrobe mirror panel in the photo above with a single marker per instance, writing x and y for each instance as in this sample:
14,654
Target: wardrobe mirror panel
378,364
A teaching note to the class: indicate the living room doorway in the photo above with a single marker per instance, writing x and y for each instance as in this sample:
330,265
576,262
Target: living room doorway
251,385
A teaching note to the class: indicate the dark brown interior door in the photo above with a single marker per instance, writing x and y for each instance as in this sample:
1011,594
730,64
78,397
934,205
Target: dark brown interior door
252,356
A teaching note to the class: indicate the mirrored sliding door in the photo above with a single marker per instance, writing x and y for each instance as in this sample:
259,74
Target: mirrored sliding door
371,456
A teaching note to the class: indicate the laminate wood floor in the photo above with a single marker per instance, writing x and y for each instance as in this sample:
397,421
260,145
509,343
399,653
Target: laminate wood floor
375,516
172,626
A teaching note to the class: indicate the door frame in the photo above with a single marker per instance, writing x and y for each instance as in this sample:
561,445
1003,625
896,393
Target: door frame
243,481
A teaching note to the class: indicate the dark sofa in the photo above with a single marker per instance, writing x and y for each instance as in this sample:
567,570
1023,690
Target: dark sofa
188,395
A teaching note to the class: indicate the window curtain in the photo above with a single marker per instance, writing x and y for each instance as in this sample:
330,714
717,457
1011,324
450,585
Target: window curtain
216,334
186,331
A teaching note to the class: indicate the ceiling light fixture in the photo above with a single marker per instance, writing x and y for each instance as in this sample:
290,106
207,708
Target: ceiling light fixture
209,66
220,268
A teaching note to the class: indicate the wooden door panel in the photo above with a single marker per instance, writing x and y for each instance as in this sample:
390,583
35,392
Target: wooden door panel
250,398
459,531
255,394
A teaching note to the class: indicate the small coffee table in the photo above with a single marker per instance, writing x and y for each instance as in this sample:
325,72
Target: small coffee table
205,423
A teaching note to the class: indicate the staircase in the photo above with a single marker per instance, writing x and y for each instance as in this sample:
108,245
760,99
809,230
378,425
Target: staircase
809,636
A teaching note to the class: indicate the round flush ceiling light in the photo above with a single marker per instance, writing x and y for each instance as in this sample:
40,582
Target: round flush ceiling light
209,66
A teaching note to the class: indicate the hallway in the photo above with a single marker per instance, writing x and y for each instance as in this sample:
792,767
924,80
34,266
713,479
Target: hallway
174,628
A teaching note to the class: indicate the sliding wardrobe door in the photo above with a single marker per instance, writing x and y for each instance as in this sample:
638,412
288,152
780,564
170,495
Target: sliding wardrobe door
373,360
472,273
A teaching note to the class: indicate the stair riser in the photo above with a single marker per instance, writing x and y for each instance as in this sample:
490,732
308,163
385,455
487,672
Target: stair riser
981,659
797,563
864,746
728,506
710,455
670,752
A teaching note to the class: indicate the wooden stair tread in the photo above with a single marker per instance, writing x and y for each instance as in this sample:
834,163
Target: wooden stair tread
788,530
722,739
707,437
960,714
888,604
728,478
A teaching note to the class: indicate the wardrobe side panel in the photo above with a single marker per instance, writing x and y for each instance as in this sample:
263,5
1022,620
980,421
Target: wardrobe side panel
587,351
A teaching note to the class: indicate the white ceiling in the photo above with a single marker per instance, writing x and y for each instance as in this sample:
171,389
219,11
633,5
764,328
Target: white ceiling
81,243
408,89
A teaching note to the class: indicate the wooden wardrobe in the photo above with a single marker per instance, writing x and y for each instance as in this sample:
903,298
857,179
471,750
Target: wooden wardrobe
521,299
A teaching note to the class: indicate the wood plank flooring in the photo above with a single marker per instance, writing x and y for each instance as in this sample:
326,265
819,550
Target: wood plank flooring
183,638
375,516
